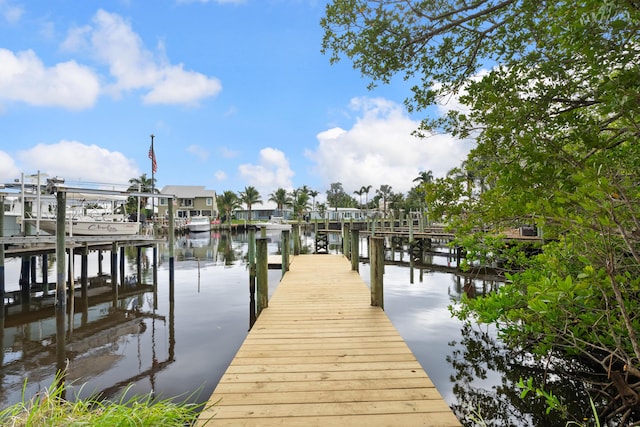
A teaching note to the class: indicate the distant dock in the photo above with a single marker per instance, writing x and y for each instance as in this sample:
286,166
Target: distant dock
321,355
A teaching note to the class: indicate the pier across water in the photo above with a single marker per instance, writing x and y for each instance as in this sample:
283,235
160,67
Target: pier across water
320,354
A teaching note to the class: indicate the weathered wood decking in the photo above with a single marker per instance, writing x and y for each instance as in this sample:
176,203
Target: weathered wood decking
321,355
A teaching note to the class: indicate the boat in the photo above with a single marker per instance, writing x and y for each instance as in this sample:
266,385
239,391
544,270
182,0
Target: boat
88,215
275,223
199,223
93,226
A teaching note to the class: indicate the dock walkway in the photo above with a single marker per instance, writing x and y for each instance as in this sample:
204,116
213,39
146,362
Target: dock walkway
321,355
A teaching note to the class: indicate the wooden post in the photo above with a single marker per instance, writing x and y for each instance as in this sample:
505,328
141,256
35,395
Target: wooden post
262,273
123,282
61,290
410,231
285,251
377,271
114,271
139,264
45,274
155,276
345,239
100,257
32,264
296,239
251,260
172,236
355,250
84,273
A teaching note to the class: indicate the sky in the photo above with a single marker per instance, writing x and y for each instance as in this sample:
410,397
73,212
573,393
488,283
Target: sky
236,93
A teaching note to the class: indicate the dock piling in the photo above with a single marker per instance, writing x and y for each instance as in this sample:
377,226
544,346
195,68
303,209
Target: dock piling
377,271
262,273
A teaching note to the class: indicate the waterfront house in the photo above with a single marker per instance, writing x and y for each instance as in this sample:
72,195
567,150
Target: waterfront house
190,200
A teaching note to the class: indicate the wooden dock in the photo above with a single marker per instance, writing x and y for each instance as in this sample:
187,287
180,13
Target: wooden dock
321,355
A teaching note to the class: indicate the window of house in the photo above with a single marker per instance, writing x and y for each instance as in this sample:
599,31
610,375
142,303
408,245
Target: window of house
186,202
163,201
209,201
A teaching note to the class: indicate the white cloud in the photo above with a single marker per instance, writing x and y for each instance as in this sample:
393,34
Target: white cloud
23,77
10,12
451,102
8,168
273,171
228,153
113,42
379,149
198,151
75,161
220,176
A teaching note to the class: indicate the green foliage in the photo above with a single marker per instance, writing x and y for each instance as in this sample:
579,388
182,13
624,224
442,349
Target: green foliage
250,196
552,401
556,123
50,408
338,198
227,203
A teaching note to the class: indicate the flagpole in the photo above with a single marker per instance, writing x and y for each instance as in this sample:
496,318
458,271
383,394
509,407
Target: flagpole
153,180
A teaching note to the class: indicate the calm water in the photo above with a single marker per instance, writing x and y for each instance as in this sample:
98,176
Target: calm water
182,349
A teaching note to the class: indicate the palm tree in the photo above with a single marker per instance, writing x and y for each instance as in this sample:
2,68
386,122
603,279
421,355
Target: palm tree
143,185
300,203
313,194
425,177
396,203
227,203
281,198
366,189
384,192
250,196
359,192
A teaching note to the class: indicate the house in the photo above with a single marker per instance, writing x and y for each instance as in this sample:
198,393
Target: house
190,200
263,212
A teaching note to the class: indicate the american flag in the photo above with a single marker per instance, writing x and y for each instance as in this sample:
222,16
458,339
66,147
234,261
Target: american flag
152,156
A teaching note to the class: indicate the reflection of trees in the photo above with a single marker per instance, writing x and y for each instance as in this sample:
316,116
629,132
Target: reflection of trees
479,354
226,251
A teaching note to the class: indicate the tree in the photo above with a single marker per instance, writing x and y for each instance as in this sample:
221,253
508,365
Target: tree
338,198
385,193
556,122
227,203
425,177
281,198
300,202
359,193
313,194
142,184
396,203
366,189
250,196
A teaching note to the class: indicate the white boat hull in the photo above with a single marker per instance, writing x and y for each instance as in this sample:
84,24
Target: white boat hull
93,228
273,226
199,224
199,227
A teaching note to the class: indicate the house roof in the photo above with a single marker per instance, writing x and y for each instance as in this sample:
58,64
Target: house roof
187,191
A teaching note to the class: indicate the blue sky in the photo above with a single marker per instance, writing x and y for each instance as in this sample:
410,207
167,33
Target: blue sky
237,93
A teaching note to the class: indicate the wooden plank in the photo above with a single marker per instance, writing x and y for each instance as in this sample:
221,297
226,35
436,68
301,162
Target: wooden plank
320,355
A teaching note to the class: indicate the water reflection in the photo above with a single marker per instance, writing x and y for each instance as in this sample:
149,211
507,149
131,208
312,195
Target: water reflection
140,340
149,344
480,356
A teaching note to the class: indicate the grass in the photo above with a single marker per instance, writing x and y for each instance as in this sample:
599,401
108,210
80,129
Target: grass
49,408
